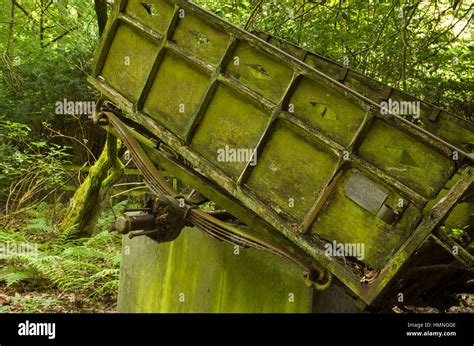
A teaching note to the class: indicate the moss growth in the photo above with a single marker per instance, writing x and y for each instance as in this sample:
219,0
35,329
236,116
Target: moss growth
89,198
344,221
129,62
176,94
211,277
260,72
201,38
156,14
231,120
406,158
291,171
327,110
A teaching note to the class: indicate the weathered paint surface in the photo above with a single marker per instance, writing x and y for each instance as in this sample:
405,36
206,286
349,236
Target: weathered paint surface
198,274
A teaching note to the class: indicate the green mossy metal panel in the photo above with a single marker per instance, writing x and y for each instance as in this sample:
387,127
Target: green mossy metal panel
345,221
201,38
260,72
326,110
291,171
453,129
156,14
176,94
129,62
231,121
406,158
198,274
250,89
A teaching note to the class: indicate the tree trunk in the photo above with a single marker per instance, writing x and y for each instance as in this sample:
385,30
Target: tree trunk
91,197
100,7
11,32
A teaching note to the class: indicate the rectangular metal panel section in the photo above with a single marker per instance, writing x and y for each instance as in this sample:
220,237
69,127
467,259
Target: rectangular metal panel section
365,192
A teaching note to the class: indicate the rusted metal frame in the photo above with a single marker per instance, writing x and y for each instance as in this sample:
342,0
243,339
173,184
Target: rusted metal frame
275,112
430,222
303,68
333,145
230,186
231,82
242,89
249,201
305,246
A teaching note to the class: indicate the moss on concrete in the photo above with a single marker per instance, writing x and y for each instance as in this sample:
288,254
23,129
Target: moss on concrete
208,277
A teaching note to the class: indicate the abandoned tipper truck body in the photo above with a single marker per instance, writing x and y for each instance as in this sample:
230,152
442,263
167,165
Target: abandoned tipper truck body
306,187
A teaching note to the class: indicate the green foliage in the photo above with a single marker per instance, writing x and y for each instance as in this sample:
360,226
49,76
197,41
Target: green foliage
28,170
31,305
51,54
12,275
88,265
45,58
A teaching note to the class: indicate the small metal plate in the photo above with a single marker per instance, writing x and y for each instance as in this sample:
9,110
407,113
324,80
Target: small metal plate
365,192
